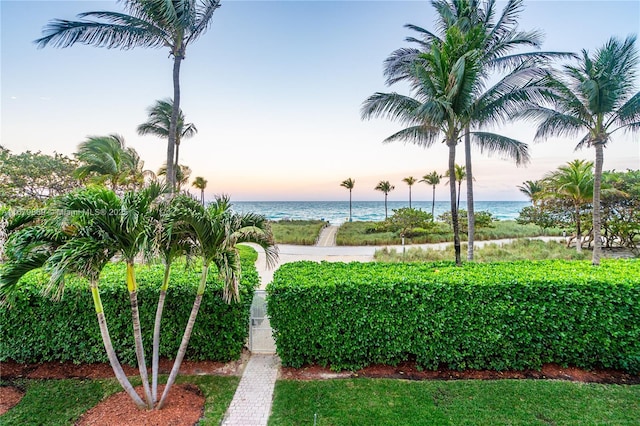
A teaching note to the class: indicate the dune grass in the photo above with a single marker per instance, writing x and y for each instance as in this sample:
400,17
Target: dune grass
524,249
506,402
62,402
298,232
359,234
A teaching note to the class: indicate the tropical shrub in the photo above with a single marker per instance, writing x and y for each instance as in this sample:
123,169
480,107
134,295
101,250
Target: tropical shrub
37,329
407,222
486,316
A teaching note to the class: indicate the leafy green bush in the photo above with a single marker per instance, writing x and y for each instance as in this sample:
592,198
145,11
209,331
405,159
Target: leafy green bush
36,329
487,316
407,222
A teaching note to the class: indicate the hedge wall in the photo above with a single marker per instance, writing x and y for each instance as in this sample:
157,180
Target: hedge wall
37,329
486,316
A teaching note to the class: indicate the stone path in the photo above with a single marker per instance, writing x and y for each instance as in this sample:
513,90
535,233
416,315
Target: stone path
251,404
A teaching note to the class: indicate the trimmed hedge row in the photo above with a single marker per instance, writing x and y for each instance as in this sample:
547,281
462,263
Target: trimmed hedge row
495,316
36,329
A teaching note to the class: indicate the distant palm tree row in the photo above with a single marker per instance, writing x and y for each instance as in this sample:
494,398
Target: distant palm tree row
450,73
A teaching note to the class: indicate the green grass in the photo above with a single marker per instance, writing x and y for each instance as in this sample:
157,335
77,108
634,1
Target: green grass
299,232
505,402
359,234
518,250
62,402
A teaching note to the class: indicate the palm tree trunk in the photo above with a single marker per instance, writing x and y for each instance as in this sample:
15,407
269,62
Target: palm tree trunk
452,189
137,332
409,196
108,346
385,205
155,357
471,219
597,220
202,196
578,230
433,203
186,336
350,216
459,189
175,164
173,124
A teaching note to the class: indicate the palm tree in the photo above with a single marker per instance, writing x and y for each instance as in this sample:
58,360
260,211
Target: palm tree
459,176
494,40
173,24
217,230
432,179
182,175
386,187
595,99
532,189
107,159
574,182
200,183
409,181
349,184
159,123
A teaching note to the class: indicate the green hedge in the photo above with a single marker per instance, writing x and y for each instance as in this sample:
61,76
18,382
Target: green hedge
496,316
36,329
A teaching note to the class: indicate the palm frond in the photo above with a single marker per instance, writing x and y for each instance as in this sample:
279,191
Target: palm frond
492,143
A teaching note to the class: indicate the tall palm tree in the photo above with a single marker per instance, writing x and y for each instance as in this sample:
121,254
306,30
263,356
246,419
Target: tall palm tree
107,159
432,179
595,99
200,183
349,184
217,230
409,181
386,187
497,38
573,181
459,175
532,189
159,123
173,24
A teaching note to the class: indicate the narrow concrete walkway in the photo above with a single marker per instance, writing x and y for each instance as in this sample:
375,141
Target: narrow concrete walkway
251,404
327,237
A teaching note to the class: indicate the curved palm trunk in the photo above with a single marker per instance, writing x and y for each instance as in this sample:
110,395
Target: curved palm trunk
454,209
155,357
433,203
108,346
471,219
597,220
173,124
137,332
185,337
175,164
350,216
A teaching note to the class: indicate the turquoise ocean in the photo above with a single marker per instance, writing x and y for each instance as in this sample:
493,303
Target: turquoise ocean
337,212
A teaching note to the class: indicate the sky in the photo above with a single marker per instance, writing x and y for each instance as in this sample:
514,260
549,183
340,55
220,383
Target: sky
275,89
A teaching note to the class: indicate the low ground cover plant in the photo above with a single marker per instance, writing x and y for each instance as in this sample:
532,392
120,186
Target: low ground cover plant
299,232
498,316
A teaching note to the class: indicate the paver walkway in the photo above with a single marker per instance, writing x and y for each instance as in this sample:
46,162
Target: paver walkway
251,404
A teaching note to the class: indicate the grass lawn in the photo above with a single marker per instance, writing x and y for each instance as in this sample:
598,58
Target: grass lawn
359,234
62,402
518,250
506,402
299,232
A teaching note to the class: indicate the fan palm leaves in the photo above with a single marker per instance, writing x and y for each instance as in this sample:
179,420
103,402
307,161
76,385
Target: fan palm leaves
592,100
152,24
385,187
217,230
432,179
159,124
349,184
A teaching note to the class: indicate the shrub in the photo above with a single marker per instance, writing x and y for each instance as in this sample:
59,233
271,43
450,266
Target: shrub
407,222
35,329
486,316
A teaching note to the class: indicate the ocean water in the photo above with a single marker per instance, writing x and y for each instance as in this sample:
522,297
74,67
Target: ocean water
337,212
